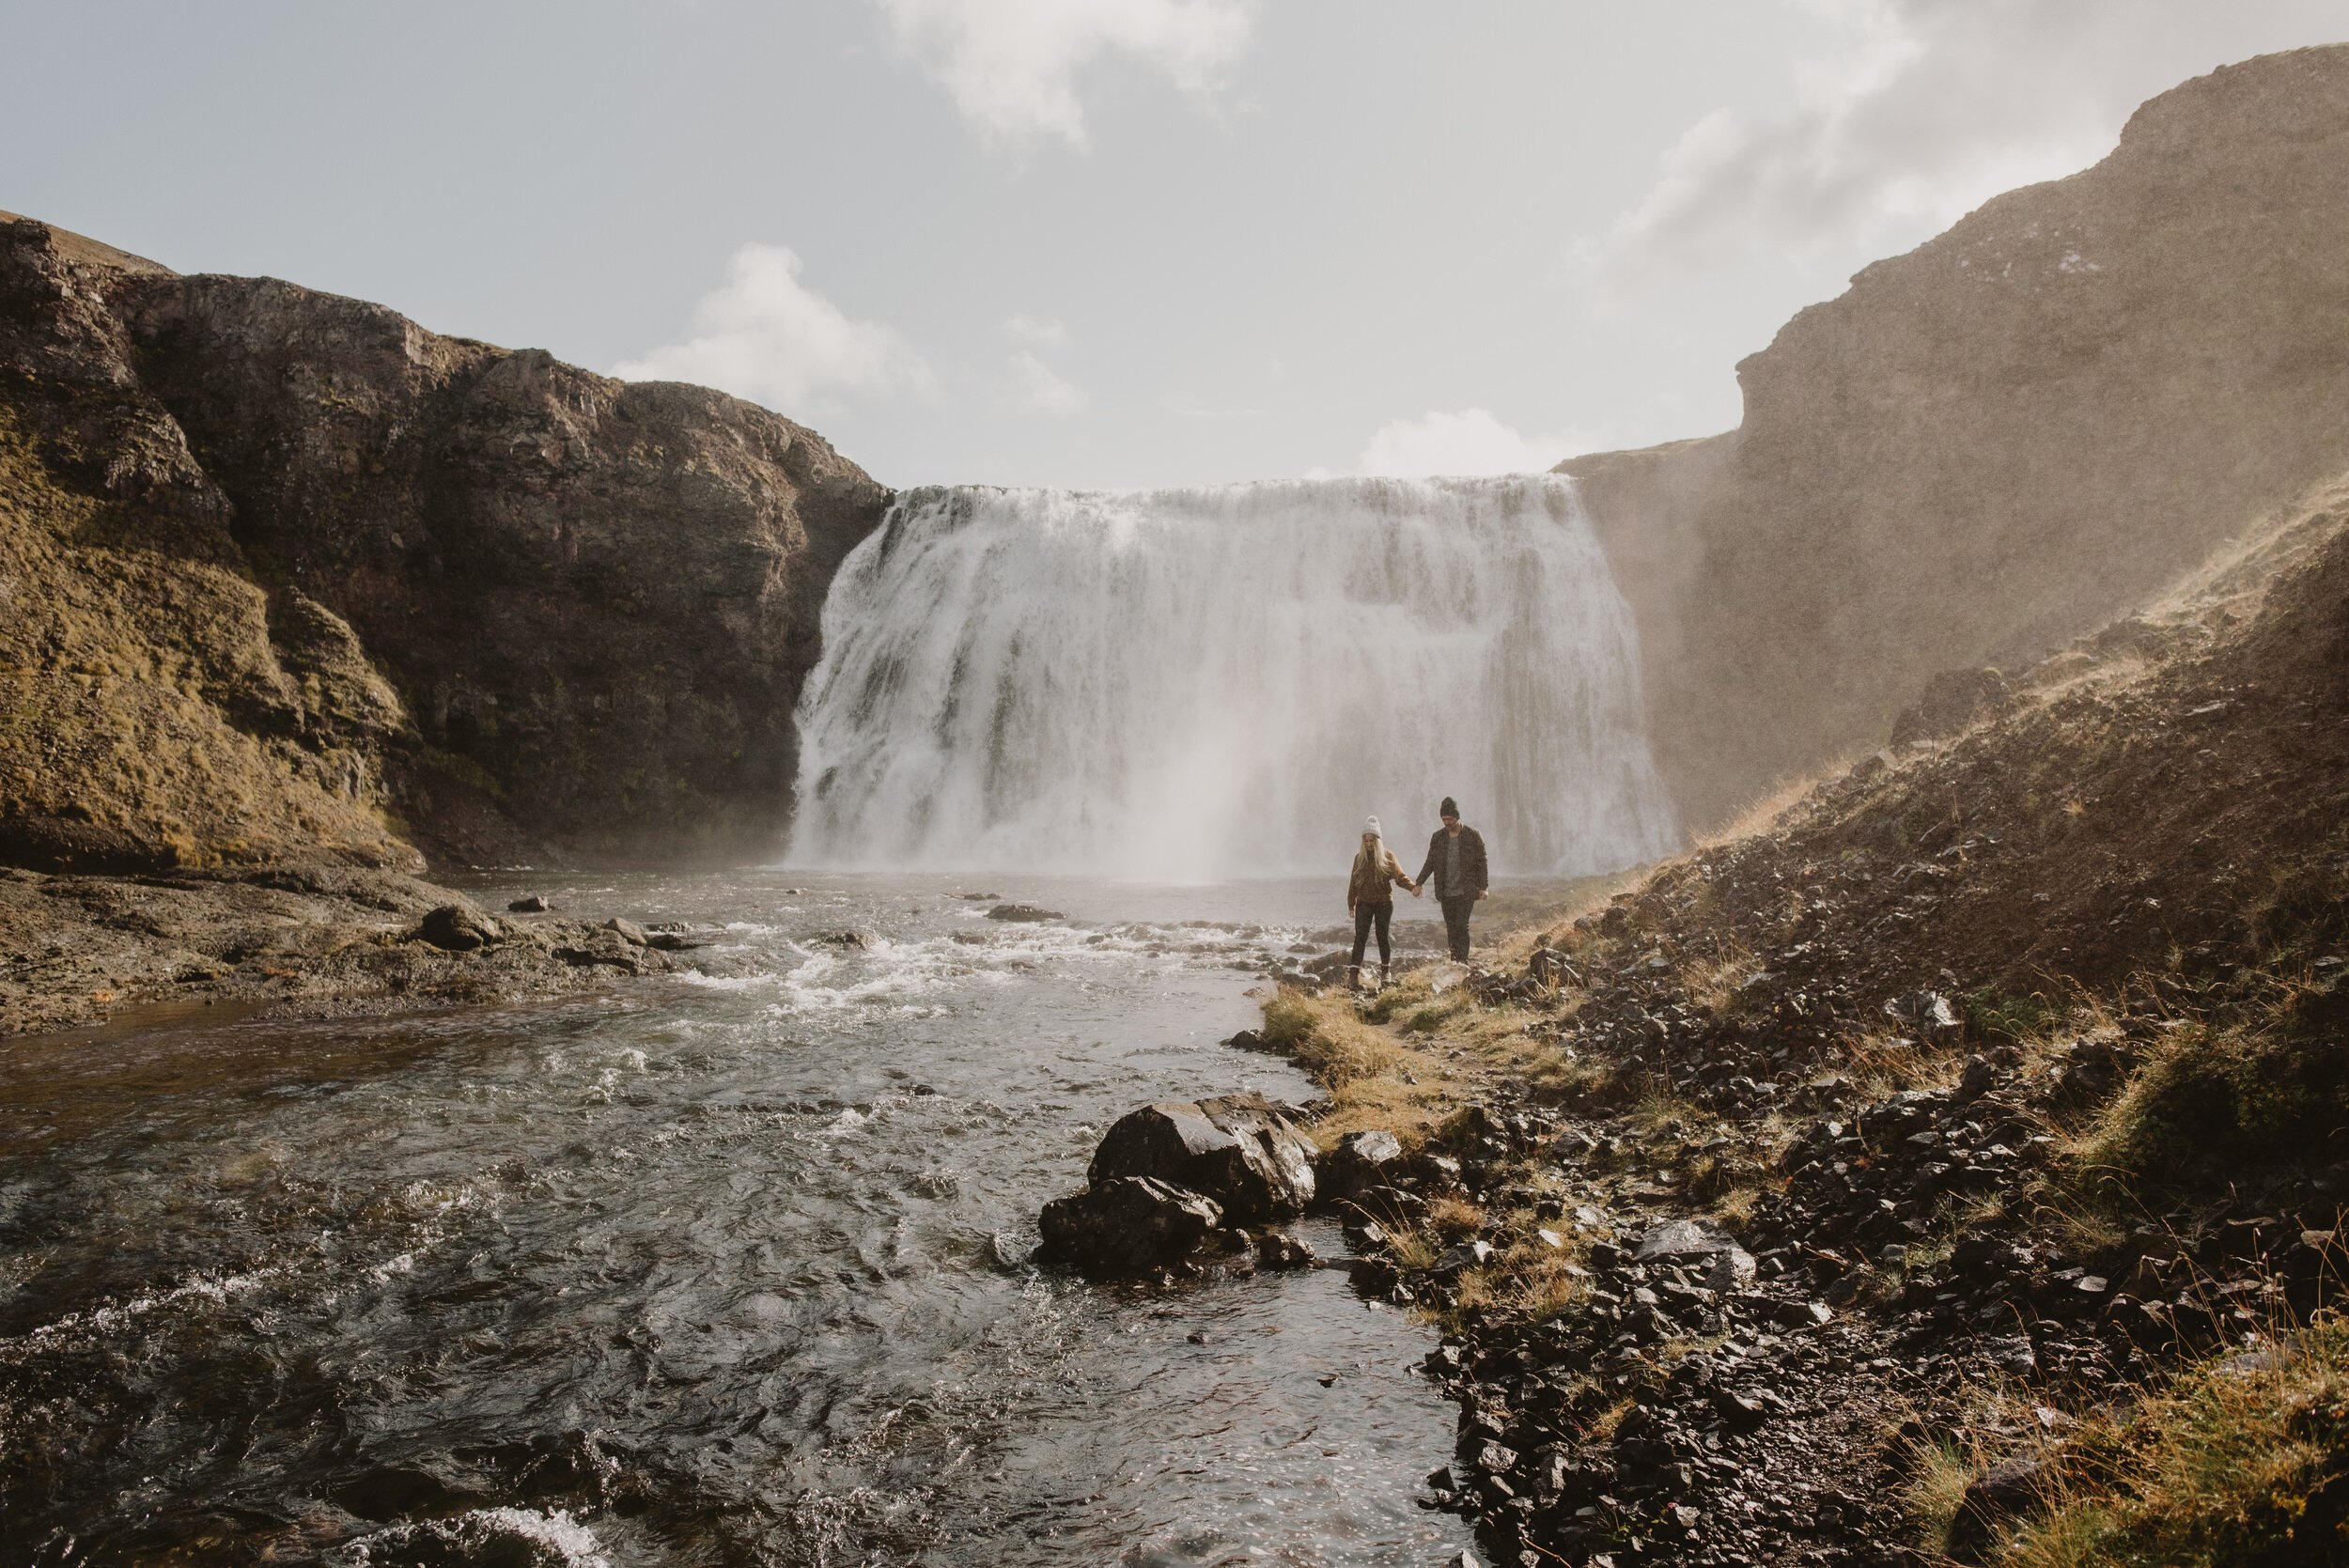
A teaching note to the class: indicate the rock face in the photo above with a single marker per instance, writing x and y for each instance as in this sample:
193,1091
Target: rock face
2000,440
285,575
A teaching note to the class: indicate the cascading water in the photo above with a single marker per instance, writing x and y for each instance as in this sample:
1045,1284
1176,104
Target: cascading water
1198,683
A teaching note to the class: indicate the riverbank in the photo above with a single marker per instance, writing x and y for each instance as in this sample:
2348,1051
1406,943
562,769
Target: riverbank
299,942
1843,1192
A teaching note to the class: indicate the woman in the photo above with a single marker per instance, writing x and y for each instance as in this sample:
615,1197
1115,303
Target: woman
1370,899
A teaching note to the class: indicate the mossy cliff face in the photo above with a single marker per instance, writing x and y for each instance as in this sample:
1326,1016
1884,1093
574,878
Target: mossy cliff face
288,575
2002,439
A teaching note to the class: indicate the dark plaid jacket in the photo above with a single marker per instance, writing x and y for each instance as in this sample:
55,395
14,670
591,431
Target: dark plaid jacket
1474,879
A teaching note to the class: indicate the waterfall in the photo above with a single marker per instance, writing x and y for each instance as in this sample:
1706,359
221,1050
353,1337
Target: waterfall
1199,684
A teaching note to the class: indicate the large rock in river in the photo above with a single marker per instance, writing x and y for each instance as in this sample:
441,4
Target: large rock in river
1238,1149
1126,1224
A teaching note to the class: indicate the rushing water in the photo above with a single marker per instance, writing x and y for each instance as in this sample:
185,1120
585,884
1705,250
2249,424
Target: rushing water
1217,682
695,1271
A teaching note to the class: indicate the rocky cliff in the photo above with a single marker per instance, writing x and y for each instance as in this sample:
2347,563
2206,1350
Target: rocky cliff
287,575
2000,439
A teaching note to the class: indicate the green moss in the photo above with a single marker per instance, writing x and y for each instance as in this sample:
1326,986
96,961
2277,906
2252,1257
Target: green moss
1993,1013
2213,1103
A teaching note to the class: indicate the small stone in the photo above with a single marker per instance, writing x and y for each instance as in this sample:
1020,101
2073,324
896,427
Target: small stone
529,903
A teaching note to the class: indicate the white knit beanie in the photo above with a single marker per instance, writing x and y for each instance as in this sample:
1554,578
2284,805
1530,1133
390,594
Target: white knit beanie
1370,825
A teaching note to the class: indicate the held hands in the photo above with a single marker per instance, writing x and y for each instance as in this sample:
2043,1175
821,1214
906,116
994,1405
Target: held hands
1418,888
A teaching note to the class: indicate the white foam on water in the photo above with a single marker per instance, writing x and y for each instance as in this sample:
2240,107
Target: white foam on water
1192,685
559,1540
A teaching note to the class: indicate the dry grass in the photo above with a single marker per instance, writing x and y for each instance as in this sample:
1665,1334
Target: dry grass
1373,1079
1939,1470
1762,813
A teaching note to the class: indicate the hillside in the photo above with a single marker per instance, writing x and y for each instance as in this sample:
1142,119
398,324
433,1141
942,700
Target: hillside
291,577
1951,1164
2000,440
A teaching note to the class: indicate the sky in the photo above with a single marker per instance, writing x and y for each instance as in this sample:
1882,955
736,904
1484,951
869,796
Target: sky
1099,244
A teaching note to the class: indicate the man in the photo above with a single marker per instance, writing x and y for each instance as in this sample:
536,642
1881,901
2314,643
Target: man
1455,858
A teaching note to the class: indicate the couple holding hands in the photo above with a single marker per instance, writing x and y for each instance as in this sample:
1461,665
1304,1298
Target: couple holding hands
1456,859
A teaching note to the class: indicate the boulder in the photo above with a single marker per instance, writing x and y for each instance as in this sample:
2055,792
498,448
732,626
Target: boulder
456,928
1237,1149
1023,913
628,931
1360,1162
1127,1225
529,903
1275,1149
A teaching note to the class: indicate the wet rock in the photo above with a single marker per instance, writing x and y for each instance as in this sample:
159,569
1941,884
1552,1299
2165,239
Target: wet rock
672,941
1279,1250
456,928
1238,1149
1126,1225
627,930
1023,913
1361,1161
529,903
851,940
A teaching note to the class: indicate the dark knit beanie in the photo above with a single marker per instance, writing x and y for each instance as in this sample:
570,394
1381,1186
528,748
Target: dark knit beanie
1448,808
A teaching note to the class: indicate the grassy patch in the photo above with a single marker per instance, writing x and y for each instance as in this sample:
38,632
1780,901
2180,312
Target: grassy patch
2243,1462
2211,1101
1993,1013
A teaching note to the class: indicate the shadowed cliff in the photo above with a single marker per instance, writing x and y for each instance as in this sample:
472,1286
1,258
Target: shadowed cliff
2001,439
290,575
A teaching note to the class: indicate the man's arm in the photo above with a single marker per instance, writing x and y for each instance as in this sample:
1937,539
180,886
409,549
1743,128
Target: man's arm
1435,852
1484,868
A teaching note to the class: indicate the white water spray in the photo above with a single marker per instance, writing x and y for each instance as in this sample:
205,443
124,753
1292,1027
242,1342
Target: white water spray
1198,683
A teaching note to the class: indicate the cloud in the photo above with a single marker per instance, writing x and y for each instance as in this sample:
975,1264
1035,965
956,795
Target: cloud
1470,441
1011,66
1928,109
765,336
1030,329
1034,386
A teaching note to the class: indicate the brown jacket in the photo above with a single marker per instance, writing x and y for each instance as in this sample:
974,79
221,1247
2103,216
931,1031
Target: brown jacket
1374,884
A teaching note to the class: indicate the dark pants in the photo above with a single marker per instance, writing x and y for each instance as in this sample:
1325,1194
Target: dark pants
1455,918
1365,916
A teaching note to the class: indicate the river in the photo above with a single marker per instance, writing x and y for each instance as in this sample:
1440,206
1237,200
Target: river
694,1270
